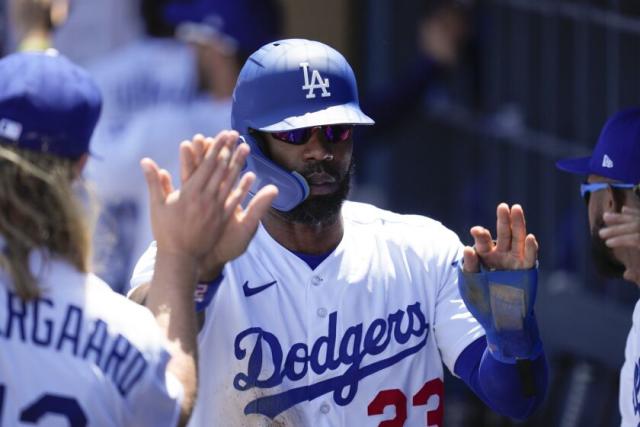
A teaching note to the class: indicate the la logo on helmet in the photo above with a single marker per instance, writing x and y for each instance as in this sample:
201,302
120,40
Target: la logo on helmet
316,82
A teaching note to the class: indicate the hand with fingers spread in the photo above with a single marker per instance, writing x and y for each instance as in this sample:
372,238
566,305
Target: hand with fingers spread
502,296
622,233
186,223
513,249
189,220
241,223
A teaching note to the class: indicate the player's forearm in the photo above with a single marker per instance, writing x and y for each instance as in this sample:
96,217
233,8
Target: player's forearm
170,299
514,390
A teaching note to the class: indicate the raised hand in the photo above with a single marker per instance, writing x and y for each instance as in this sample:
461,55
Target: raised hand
242,223
189,221
186,224
623,229
622,232
513,248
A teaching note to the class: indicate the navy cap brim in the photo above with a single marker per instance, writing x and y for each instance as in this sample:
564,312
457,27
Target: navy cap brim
579,165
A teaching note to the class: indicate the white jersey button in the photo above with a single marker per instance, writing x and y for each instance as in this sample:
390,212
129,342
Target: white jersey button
324,408
316,280
322,312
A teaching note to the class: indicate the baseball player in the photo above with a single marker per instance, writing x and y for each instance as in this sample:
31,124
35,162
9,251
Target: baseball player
612,174
72,351
334,312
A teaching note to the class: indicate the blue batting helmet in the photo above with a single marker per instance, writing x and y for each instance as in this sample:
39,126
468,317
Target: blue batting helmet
292,84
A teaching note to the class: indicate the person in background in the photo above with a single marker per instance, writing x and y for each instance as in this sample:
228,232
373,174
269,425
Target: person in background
33,22
613,207
442,34
155,69
222,35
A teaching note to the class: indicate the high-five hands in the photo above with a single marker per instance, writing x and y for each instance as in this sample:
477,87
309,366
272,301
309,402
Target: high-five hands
240,224
187,225
513,249
196,218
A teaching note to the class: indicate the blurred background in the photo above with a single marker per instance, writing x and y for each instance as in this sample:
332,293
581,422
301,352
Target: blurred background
474,103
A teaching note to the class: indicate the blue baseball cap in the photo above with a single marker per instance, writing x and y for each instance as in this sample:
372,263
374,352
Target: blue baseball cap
47,104
244,25
617,153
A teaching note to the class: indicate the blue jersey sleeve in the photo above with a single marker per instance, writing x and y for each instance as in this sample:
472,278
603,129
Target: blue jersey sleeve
514,390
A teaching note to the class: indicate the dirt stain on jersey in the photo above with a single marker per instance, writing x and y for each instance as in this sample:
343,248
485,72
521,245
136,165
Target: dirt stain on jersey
236,401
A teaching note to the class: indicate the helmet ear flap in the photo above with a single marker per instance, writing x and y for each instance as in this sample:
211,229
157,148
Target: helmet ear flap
293,189
257,139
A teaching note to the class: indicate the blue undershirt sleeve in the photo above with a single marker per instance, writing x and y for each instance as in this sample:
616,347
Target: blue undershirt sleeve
514,390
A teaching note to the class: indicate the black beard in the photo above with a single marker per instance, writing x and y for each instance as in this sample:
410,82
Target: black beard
324,209
606,264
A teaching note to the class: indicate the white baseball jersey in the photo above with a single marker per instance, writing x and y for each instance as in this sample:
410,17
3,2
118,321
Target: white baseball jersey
95,28
360,339
630,375
132,80
81,355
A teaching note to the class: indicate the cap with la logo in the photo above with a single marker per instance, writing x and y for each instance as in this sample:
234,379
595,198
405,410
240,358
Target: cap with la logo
617,153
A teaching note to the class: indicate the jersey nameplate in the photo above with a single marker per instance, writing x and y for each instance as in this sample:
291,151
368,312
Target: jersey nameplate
89,340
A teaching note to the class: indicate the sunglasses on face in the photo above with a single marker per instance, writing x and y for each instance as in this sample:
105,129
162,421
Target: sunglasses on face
332,133
587,188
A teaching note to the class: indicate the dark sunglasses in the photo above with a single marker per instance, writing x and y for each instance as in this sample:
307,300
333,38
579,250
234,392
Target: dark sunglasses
587,188
332,133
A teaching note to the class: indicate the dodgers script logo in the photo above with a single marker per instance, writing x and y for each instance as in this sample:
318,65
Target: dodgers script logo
327,353
316,82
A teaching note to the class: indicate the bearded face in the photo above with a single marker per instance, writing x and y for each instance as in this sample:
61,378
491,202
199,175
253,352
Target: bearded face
326,166
322,209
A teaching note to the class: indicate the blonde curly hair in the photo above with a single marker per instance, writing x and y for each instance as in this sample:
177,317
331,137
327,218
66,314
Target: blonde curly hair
39,209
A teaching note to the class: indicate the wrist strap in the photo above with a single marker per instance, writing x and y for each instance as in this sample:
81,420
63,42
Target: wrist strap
502,302
205,291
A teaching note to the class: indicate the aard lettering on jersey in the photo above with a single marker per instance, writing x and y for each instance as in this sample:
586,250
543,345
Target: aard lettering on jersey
33,323
408,328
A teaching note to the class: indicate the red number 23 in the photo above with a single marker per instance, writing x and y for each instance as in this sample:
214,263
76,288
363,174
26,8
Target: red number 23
397,399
